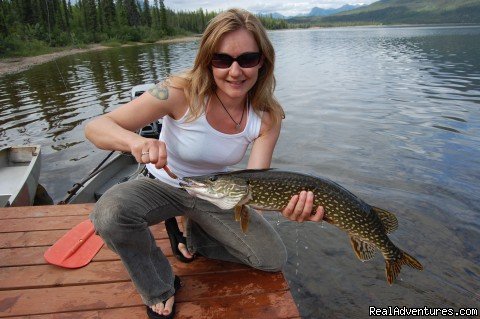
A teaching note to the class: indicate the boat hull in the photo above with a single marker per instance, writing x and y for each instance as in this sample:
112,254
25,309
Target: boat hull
19,172
121,168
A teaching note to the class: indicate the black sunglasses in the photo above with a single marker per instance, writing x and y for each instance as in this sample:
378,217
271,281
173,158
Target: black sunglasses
245,60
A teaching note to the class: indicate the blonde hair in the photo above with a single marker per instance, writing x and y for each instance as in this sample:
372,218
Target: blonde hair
198,83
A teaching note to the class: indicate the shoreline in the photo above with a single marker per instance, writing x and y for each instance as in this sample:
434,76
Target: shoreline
20,64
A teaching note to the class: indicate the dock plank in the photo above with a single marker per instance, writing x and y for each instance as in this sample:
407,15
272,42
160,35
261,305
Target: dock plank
42,276
40,223
25,256
31,288
272,305
44,211
49,237
112,295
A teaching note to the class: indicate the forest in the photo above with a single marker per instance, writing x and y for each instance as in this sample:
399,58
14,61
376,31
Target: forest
32,27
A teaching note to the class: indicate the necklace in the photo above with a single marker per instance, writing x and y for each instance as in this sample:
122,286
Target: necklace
237,125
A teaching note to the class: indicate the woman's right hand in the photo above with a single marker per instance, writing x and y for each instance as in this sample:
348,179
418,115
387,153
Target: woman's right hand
150,150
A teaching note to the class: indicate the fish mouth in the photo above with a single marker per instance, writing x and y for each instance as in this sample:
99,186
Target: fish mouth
188,183
201,190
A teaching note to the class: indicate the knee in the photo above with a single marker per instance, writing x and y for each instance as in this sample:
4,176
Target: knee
111,215
273,259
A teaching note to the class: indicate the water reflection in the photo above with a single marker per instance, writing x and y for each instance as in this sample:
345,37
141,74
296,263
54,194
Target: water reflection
390,113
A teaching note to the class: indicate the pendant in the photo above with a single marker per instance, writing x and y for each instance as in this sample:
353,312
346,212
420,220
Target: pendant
238,126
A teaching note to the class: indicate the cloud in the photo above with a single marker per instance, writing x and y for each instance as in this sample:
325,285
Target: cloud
290,8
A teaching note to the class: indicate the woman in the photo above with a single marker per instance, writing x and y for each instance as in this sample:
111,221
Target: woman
211,114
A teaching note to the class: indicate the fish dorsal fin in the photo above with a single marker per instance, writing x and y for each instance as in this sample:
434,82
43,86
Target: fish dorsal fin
364,250
389,220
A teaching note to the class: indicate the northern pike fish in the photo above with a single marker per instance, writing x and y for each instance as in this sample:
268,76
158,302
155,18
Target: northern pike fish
271,189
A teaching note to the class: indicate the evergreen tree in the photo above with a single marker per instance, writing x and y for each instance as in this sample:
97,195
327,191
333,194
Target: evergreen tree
90,14
121,13
100,16
27,13
3,19
131,9
64,22
109,14
59,22
146,15
66,15
156,15
163,17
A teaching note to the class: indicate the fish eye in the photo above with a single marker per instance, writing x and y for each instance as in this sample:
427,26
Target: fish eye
213,178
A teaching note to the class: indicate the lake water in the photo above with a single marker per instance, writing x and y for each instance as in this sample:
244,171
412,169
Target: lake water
390,113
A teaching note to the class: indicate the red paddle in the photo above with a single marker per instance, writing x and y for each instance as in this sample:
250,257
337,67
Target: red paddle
76,248
80,244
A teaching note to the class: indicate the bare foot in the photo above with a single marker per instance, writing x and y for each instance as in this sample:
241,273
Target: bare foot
164,309
183,249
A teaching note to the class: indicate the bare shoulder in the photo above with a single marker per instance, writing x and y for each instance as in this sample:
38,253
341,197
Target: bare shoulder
172,98
160,91
268,125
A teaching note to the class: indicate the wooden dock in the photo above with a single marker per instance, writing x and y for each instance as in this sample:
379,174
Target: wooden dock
31,288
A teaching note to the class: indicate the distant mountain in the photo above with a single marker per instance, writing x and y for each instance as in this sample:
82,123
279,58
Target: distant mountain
274,15
319,12
315,12
409,12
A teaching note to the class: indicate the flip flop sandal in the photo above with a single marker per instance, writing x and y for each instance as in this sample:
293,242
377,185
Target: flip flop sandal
176,237
177,284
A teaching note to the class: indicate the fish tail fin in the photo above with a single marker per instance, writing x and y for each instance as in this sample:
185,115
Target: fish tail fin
393,266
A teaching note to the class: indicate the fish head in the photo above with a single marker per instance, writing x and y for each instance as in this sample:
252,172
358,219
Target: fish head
221,190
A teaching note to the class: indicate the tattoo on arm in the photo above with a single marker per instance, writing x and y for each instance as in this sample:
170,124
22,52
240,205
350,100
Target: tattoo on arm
160,92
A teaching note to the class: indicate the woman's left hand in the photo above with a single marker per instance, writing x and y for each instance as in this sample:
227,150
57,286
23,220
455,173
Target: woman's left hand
300,208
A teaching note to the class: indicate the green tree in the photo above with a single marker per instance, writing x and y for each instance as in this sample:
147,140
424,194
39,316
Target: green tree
90,16
156,15
163,17
131,10
146,14
3,20
36,25
109,13
66,15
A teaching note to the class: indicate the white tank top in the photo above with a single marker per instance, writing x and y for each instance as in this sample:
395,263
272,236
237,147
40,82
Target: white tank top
196,148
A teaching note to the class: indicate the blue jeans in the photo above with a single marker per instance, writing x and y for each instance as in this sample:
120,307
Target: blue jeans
123,214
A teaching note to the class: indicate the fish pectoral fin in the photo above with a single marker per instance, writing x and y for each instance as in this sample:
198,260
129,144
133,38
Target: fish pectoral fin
238,212
364,250
389,220
244,218
241,211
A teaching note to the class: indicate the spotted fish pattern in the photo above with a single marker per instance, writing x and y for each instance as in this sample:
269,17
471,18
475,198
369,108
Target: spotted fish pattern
270,189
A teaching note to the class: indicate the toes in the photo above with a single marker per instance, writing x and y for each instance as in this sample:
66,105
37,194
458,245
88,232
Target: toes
158,308
168,306
164,309
183,249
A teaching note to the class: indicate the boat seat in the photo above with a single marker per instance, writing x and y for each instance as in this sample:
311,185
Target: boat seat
152,130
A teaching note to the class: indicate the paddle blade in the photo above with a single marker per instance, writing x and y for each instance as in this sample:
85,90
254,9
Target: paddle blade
76,248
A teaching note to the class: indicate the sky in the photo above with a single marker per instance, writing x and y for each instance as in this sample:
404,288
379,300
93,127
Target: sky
287,8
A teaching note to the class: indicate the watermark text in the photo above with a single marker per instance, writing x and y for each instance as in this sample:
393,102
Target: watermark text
425,311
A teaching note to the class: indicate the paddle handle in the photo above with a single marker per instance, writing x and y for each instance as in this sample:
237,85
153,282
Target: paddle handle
79,243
